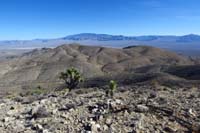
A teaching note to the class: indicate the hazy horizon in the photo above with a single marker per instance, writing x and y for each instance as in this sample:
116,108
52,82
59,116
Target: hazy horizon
41,38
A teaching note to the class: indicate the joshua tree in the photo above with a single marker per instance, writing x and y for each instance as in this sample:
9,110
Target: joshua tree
112,88
72,78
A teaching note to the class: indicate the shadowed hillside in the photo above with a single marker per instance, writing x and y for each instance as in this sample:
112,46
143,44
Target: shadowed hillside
188,72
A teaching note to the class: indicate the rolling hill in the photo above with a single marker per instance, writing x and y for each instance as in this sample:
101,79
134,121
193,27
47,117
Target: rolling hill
42,67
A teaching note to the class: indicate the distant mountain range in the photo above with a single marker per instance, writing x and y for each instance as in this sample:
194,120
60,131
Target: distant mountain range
187,44
106,37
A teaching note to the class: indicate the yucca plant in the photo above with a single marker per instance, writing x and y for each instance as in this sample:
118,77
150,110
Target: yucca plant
72,78
112,88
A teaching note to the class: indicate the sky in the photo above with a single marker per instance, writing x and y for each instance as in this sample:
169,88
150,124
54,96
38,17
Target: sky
33,19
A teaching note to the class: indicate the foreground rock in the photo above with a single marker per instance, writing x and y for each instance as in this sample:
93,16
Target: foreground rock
132,110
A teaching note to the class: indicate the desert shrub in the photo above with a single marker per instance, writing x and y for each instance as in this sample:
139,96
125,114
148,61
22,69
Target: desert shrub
72,78
37,91
112,87
32,91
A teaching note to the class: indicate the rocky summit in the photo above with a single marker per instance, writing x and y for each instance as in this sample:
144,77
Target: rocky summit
132,109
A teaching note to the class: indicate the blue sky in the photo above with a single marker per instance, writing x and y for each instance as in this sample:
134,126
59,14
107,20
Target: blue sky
30,19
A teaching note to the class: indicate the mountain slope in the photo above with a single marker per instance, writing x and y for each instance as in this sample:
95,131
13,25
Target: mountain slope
43,66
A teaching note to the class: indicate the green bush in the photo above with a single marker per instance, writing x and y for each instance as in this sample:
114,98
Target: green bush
72,78
112,88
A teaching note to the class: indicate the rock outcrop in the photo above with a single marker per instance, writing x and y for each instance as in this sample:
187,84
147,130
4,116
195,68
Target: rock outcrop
132,109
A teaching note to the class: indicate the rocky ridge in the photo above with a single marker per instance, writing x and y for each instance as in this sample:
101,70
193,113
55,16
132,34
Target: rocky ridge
133,109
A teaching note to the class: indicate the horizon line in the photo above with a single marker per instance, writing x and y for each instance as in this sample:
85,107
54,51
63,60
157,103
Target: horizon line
99,34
